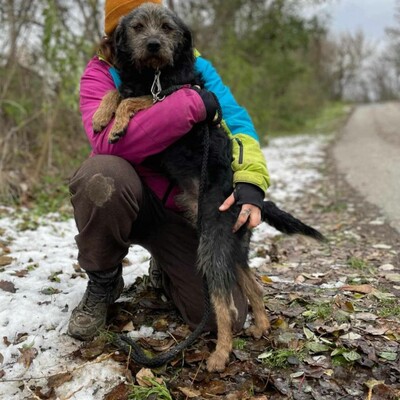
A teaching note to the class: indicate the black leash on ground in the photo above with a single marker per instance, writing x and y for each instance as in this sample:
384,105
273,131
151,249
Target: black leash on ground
125,343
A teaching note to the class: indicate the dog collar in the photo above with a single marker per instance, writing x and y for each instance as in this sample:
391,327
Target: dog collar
156,88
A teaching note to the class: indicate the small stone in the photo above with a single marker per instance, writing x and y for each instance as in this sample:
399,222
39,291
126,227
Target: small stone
393,277
386,267
382,246
377,222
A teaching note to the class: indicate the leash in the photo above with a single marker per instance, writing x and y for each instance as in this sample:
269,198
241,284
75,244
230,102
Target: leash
125,343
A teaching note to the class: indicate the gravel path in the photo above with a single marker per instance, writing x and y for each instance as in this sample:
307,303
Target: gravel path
368,154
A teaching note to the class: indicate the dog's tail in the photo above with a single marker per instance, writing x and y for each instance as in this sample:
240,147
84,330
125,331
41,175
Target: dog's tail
286,223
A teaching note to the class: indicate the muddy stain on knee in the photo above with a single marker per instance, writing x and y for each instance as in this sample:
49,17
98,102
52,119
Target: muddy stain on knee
100,189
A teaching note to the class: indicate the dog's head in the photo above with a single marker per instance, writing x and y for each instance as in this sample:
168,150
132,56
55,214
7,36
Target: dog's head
152,36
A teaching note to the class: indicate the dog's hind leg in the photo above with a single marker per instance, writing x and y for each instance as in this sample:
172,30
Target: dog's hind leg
106,110
223,312
254,293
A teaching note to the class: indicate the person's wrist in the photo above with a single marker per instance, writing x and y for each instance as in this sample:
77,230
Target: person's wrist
209,101
247,193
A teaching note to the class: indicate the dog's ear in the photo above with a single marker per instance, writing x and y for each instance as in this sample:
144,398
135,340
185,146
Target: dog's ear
119,37
187,38
187,42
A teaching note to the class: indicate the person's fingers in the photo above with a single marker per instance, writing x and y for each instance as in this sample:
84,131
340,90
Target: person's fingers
242,218
255,218
249,214
230,201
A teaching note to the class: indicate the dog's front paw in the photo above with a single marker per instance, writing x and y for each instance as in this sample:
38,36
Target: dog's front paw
217,361
100,121
114,136
258,331
119,128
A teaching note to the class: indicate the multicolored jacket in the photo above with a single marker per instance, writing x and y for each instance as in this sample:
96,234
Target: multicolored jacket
153,130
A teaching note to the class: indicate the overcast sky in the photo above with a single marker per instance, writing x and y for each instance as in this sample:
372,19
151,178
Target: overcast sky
371,16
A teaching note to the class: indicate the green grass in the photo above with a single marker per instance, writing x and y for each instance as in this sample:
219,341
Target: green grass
154,391
389,308
279,358
357,263
361,265
329,119
239,344
318,311
326,121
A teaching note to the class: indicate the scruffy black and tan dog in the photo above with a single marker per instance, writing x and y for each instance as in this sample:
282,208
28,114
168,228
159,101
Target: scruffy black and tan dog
153,50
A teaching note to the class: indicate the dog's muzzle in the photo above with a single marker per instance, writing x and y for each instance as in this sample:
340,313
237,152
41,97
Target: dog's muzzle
153,46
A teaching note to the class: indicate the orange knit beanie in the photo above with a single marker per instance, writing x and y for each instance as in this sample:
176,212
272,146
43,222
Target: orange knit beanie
115,9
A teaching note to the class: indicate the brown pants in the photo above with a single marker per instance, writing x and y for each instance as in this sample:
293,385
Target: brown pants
113,210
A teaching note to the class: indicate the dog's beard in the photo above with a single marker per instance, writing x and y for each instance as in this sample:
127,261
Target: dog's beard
154,61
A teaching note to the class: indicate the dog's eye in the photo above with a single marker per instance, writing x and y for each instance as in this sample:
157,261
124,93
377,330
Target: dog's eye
138,27
166,27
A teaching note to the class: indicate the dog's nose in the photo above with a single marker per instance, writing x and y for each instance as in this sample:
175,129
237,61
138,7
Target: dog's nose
153,45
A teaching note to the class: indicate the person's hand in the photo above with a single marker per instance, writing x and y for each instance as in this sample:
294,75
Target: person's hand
249,214
210,103
251,198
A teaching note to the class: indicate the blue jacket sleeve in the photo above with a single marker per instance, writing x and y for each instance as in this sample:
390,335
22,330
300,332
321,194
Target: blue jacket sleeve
236,117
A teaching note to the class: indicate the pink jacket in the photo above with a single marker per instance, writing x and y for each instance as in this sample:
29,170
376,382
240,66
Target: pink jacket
149,132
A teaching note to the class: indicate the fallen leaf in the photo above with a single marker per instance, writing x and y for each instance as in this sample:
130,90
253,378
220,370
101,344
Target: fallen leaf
333,329
366,316
266,279
21,273
316,347
144,376
376,331
21,337
393,277
372,383
242,355
157,344
215,388
5,260
57,380
7,286
351,336
315,275
386,267
50,291
351,356
196,356
309,335
90,350
161,324
359,288
119,392
388,355
128,327
382,246
28,354
190,392
300,279
383,296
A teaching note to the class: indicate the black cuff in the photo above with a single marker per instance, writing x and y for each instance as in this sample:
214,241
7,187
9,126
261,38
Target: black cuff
246,193
210,103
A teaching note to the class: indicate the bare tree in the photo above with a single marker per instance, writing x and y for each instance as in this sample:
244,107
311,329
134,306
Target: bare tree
347,57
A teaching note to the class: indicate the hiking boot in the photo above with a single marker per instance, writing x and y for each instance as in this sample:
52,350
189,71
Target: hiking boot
91,313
